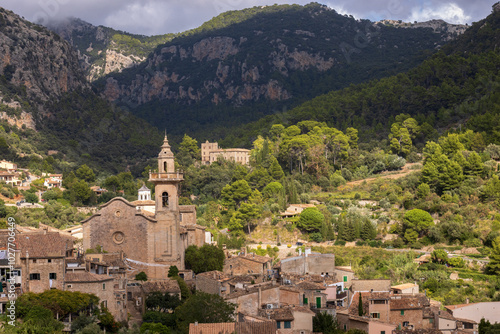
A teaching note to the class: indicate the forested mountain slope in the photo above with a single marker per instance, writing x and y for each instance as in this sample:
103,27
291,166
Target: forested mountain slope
246,64
457,86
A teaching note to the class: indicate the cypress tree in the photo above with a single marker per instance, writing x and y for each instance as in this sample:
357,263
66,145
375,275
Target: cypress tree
360,305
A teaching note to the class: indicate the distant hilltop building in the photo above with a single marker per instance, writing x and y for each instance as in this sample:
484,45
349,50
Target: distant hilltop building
210,152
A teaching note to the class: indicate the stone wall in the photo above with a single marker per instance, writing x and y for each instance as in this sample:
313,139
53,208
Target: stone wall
377,285
44,267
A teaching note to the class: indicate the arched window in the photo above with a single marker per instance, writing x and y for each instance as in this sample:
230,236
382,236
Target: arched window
164,199
165,166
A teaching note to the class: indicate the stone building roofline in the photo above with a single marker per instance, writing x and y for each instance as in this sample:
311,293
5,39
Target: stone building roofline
404,286
117,199
121,199
251,257
85,277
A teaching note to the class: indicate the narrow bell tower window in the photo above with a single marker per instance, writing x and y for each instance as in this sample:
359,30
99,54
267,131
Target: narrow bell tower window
164,199
165,166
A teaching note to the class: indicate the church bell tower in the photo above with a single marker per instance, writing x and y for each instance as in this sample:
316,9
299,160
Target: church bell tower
166,181
166,246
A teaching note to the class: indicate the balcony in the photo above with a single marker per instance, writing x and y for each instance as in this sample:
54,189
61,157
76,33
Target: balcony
177,176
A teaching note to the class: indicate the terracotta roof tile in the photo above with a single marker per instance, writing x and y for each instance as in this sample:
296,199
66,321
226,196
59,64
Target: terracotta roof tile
263,327
409,302
85,277
169,285
454,307
251,257
217,328
310,286
43,245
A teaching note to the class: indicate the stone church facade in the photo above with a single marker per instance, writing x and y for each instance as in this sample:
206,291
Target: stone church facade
151,243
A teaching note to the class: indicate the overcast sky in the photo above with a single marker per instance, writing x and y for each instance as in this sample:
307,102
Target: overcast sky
152,17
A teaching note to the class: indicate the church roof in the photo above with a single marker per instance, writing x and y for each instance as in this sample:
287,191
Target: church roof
144,188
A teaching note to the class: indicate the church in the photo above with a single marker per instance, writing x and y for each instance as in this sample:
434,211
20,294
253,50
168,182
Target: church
151,242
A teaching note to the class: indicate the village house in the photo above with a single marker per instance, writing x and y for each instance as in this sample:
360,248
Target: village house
313,295
345,275
476,311
309,263
11,178
210,152
291,319
295,209
248,264
267,296
42,258
111,292
386,312
10,166
137,293
98,191
406,288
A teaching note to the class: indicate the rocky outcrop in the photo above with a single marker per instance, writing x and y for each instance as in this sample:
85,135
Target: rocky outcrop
448,31
33,57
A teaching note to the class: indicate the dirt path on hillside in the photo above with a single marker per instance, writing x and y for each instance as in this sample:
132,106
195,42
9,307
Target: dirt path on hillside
407,169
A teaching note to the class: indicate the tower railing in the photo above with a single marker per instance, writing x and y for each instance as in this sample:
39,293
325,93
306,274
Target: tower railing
166,176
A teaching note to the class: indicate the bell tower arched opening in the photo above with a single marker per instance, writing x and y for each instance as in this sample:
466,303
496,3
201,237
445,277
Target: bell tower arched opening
164,199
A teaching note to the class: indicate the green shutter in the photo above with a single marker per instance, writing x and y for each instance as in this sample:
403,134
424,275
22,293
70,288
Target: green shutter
345,278
402,312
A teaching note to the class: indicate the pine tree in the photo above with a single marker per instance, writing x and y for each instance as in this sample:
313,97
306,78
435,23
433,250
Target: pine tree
368,230
494,265
275,169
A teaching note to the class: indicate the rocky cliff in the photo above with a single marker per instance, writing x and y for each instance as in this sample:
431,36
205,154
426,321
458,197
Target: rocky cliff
43,88
38,60
103,50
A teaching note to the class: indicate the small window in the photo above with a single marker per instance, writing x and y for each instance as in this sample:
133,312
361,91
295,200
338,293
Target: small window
382,332
278,324
345,278
431,320
49,261
402,312
69,286
375,315
52,276
104,286
34,277
288,324
34,260
406,324
345,327
104,303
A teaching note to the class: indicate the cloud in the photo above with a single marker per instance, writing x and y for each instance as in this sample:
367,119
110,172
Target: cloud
150,17
449,12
